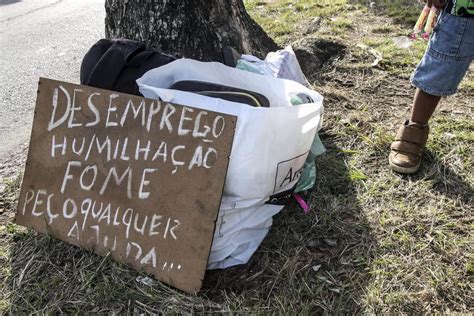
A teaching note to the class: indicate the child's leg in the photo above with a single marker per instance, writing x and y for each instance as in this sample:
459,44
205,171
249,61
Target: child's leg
423,107
405,156
450,52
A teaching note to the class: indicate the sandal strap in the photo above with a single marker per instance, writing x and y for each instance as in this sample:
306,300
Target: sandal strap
413,134
407,147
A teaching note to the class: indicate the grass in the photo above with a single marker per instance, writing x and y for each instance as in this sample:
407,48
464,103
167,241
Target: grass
395,60
375,242
340,26
402,11
282,18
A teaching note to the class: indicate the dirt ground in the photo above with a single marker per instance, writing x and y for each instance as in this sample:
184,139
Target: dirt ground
374,242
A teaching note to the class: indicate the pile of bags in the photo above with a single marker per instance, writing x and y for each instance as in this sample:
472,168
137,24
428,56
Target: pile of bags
275,141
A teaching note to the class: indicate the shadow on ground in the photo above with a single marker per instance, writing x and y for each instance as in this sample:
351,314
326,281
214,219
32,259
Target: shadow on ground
319,260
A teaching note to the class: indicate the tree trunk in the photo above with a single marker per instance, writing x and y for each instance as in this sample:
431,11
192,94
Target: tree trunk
188,28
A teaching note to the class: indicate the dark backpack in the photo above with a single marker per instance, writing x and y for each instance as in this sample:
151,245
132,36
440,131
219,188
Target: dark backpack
116,64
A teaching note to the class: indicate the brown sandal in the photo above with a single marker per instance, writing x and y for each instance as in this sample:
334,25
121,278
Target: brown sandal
407,149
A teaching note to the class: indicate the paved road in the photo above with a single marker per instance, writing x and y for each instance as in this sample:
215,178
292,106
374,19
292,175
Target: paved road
45,38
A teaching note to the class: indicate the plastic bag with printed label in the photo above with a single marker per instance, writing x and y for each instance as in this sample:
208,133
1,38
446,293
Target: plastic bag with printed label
284,64
270,145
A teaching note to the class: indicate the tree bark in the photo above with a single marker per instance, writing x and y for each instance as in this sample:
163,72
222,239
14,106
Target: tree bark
188,28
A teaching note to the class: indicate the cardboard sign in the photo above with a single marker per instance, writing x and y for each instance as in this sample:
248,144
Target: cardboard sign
133,177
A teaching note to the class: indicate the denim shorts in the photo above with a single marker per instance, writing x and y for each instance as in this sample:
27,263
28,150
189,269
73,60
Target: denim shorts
448,56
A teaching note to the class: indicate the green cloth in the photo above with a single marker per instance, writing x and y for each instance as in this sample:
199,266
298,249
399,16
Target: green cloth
243,65
308,175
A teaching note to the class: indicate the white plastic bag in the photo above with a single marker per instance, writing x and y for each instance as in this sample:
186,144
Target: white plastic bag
280,64
269,149
238,234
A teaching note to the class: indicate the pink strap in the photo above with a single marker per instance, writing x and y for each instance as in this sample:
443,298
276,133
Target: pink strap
306,208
